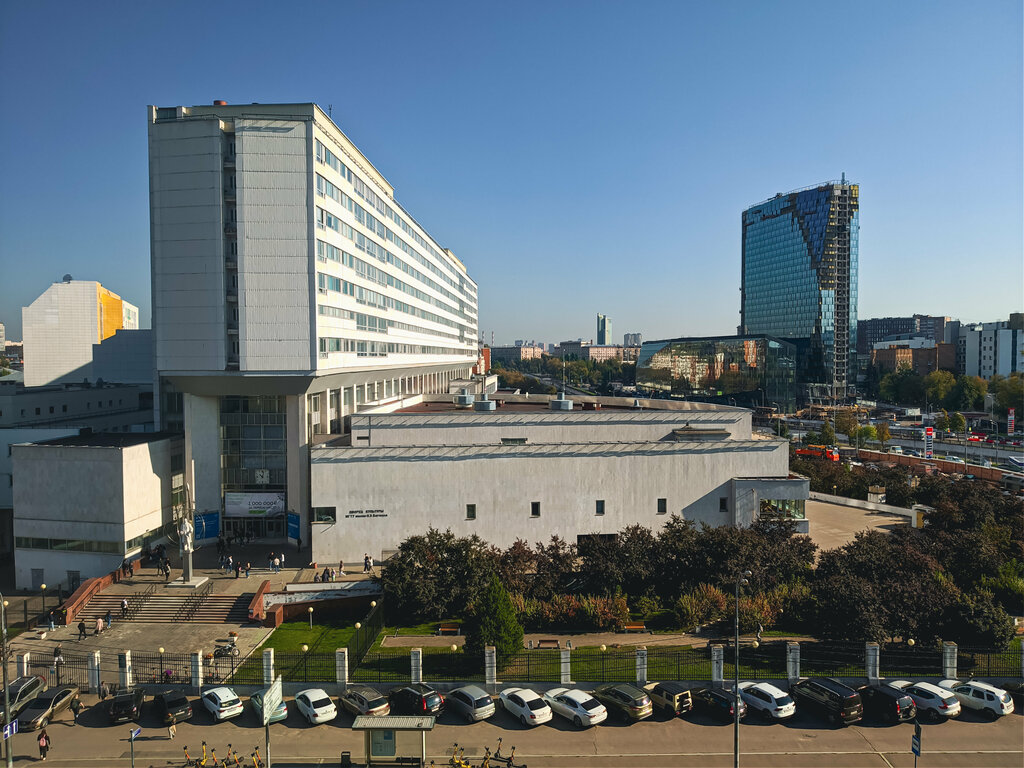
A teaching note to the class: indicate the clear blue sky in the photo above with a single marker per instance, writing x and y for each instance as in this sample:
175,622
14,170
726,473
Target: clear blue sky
580,157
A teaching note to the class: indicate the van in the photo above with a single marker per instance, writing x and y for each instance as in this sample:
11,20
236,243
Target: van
671,698
896,449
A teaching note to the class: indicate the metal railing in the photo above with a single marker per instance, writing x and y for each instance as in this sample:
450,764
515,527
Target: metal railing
137,601
193,603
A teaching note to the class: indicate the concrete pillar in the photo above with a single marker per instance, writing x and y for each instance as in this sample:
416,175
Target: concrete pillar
268,666
124,669
565,662
793,662
490,666
341,667
93,671
1022,657
871,662
949,661
416,665
641,665
22,663
325,411
717,667
197,669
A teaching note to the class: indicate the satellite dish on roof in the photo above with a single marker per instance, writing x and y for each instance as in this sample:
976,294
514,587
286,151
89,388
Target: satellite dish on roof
66,279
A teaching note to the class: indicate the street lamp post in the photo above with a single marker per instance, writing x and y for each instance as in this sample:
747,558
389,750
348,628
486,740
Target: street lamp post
7,696
305,663
310,611
743,578
42,588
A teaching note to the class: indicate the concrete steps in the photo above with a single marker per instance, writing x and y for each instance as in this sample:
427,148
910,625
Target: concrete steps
162,608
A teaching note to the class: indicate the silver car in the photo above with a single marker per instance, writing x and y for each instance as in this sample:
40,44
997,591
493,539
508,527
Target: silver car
472,702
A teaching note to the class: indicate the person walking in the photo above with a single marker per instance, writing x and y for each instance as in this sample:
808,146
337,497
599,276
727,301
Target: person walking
277,565
248,567
76,707
238,569
108,620
131,568
44,744
282,558
172,727
53,623
367,564
82,634
124,608
298,544
99,624
334,575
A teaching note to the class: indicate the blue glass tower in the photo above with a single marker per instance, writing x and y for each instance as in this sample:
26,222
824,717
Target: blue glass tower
799,278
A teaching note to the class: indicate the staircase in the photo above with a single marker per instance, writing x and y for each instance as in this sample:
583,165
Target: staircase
161,608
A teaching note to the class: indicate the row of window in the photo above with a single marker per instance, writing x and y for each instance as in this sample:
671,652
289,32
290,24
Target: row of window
64,408
598,508
70,545
324,155
379,324
382,348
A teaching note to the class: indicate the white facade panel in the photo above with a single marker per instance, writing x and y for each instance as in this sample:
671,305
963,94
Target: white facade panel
59,330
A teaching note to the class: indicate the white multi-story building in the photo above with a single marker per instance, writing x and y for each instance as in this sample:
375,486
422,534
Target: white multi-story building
61,326
290,289
990,349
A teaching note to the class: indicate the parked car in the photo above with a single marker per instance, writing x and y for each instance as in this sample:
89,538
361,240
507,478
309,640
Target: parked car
671,698
364,700
223,703
626,700
719,703
45,707
172,702
472,702
1016,690
981,697
316,706
931,700
21,691
770,702
257,700
416,699
573,704
839,703
887,703
526,705
126,706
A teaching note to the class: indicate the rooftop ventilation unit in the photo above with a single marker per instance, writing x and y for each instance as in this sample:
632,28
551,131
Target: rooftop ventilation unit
464,399
483,404
560,403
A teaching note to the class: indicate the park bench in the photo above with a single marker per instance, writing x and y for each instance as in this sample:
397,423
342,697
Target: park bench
550,644
634,626
449,628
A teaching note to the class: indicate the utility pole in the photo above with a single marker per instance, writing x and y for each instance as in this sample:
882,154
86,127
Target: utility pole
7,695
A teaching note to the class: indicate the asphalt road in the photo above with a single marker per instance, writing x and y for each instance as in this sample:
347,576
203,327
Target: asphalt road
802,742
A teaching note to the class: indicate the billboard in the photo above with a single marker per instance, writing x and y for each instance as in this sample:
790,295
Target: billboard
929,437
1011,421
254,504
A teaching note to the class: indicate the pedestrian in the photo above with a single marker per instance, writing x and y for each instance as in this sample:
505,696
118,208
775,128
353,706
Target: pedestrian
172,727
167,572
341,567
99,624
270,560
298,544
316,577
334,575
44,744
248,567
53,623
108,620
58,654
277,565
104,691
229,564
367,564
124,607
81,630
131,568
76,707
238,569
281,558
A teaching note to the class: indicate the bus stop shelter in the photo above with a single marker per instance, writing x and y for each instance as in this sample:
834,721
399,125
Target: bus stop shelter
394,739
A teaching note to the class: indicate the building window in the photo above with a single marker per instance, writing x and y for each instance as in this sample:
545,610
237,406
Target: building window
471,511
723,504
51,409
662,506
534,509
599,510
37,411
64,409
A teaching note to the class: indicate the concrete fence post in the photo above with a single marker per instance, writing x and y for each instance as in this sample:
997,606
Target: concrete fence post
268,666
124,669
1022,657
717,667
197,669
793,662
641,665
23,663
949,661
565,662
490,666
416,665
93,667
341,667
871,663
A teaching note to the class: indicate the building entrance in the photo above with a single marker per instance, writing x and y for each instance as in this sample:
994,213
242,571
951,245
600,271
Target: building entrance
264,528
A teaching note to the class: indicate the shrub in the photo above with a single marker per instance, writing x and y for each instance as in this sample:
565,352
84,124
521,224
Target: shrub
646,606
687,612
493,622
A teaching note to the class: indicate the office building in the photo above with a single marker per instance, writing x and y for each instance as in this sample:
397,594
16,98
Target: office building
876,329
919,354
799,281
748,371
516,354
3,338
604,330
290,290
989,349
632,340
98,407
62,325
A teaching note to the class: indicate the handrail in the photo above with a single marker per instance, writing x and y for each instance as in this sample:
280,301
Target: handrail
198,599
138,600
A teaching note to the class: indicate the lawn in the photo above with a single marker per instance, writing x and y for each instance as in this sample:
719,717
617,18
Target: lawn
325,637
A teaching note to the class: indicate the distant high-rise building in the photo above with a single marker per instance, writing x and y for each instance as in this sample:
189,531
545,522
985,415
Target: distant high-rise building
62,325
799,281
632,339
604,330
988,349
3,338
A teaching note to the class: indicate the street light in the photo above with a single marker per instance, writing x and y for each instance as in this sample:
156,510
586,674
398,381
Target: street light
160,676
43,588
7,696
743,578
305,663
310,611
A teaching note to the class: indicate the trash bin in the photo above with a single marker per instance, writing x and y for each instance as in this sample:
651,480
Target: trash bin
346,760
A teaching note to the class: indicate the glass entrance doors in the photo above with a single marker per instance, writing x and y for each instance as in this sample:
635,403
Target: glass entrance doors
263,528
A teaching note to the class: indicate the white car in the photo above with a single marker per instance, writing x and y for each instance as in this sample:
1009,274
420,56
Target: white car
573,704
316,706
222,703
770,702
525,704
985,698
930,699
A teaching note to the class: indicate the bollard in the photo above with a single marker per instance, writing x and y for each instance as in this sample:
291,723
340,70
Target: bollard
949,661
93,667
641,665
717,667
871,662
197,670
124,669
268,666
490,667
416,665
341,667
793,662
565,663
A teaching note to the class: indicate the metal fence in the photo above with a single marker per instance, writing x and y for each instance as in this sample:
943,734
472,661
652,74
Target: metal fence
310,667
67,669
979,662
249,672
441,665
385,665
166,668
767,661
903,661
831,660
366,635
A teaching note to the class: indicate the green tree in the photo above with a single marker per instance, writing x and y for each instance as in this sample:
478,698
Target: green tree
968,394
938,385
828,435
492,621
882,432
781,428
846,423
942,421
1009,393
866,434
957,423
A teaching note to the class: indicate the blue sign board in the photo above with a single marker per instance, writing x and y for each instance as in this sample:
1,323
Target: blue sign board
207,526
293,526
10,729
136,733
915,745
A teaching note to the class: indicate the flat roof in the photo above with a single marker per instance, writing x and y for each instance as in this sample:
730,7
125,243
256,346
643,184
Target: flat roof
108,439
393,723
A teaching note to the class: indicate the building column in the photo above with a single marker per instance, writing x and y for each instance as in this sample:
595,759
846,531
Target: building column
341,667
490,667
416,665
717,667
268,666
793,662
565,662
297,459
871,662
949,661
22,664
641,665
202,451
124,669
325,411
197,669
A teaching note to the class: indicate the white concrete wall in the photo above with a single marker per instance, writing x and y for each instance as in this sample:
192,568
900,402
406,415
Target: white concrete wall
276,278
202,451
9,437
146,487
418,489
125,358
59,329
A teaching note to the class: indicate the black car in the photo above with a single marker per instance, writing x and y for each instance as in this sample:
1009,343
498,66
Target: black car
172,703
21,691
126,706
887,703
1013,687
720,703
839,703
416,699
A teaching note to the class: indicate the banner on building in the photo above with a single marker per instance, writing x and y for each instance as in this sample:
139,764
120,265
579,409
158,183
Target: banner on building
1011,419
293,526
254,504
929,437
207,526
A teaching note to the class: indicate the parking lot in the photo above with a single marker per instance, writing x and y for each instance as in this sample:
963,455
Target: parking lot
693,740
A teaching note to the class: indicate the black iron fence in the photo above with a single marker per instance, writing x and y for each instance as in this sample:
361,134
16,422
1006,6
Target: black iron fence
365,636
309,667
979,662
66,669
904,661
161,668
385,665
831,660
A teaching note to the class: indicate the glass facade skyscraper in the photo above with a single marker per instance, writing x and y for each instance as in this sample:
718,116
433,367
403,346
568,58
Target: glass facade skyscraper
799,281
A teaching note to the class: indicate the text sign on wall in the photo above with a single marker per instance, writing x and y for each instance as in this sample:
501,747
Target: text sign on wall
1011,421
366,513
253,504
929,439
